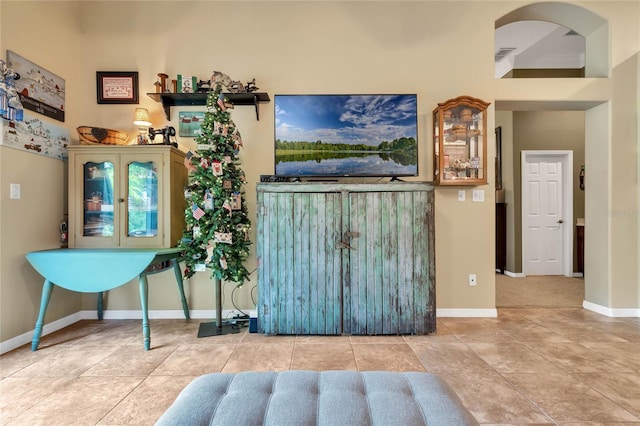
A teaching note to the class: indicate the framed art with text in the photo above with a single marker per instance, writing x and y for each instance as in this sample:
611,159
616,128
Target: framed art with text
117,87
40,90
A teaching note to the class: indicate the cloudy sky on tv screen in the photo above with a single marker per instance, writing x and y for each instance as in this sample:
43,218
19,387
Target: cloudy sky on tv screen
352,119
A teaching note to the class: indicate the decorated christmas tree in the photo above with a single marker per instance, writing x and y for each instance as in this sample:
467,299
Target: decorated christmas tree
217,222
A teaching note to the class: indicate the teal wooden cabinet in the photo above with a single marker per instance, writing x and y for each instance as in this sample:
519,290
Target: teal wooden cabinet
346,258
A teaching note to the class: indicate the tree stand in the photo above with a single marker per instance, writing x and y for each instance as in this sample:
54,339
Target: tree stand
217,328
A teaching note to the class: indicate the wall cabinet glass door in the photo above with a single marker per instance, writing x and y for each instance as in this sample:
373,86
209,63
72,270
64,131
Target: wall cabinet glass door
142,198
98,199
130,196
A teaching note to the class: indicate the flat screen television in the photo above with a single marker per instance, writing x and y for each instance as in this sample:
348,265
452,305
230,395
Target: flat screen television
329,136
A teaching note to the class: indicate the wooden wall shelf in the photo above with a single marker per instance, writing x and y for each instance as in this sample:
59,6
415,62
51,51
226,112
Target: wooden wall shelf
183,99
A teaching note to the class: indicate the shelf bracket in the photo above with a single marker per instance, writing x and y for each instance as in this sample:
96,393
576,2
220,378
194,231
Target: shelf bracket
167,110
255,103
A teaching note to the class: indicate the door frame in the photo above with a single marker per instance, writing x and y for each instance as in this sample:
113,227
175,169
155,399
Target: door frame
566,158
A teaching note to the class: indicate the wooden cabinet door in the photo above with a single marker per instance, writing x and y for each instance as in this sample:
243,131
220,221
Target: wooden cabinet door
388,285
299,259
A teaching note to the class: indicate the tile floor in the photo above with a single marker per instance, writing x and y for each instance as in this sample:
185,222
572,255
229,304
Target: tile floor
528,366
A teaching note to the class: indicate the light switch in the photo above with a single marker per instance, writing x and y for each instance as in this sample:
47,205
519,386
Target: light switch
14,191
461,194
478,195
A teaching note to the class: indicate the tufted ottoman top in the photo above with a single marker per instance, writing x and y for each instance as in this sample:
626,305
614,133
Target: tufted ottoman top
323,398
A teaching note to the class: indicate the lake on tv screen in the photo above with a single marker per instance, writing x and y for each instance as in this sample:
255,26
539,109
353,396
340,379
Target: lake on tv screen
353,164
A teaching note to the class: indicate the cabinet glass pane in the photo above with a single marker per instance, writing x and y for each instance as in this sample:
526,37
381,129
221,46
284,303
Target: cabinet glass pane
463,143
98,199
459,127
142,200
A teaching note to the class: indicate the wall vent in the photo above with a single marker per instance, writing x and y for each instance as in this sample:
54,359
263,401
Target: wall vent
503,52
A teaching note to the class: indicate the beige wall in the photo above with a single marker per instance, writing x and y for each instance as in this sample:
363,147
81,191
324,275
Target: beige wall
31,223
429,48
624,202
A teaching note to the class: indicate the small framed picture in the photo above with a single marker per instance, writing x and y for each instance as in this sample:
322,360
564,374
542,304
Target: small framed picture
190,123
117,87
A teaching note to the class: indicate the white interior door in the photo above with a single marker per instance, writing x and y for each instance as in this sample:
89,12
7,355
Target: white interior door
546,214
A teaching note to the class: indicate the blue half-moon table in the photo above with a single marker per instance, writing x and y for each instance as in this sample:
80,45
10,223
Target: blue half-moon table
99,270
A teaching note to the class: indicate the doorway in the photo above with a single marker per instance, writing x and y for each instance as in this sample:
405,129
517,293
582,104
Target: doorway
547,212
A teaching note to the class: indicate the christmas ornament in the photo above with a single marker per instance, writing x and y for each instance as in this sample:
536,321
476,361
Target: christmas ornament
208,200
222,237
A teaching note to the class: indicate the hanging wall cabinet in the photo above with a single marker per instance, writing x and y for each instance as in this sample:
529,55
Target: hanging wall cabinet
460,138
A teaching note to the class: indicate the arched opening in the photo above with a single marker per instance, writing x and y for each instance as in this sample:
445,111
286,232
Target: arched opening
538,49
551,40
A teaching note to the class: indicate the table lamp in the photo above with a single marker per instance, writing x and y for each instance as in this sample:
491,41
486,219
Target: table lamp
141,119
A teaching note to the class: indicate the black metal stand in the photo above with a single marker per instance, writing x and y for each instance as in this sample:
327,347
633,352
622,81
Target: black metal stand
217,328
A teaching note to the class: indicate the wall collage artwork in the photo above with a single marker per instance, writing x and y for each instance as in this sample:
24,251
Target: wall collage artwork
42,92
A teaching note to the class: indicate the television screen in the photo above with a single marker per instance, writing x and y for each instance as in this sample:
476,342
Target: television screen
346,135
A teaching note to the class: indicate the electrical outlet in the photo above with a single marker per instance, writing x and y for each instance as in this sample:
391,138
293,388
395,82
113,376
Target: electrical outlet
472,280
461,194
14,191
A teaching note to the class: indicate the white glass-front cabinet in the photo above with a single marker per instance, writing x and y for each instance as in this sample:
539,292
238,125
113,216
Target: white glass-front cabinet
126,196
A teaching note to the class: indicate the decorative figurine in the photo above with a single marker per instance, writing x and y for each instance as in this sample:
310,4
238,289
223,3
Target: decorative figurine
219,77
163,82
236,87
251,86
167,133
203,86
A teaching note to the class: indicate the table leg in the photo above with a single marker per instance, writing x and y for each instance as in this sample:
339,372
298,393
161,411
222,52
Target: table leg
47,288
144,299
178,272
100,306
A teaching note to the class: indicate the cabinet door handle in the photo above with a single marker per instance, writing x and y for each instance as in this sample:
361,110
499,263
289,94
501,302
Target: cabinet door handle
121,200
342,245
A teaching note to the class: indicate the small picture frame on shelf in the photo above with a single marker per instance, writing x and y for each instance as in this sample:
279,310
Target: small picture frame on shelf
186,84
117,87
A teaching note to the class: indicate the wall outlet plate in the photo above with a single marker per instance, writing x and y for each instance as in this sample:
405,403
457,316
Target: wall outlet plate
461,194
478,195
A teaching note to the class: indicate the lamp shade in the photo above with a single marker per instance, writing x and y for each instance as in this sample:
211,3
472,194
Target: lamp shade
141,117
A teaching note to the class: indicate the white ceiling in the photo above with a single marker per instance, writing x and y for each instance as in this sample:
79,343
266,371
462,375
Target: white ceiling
536,45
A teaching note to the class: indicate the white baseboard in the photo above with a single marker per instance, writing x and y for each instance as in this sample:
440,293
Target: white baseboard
522,275
54,326
16,342
611,312
467,313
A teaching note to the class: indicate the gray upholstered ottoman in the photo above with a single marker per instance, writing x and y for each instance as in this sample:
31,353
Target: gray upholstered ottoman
323,398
